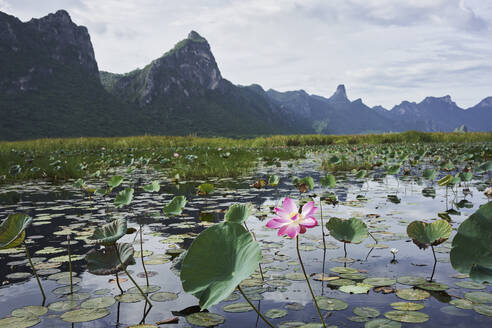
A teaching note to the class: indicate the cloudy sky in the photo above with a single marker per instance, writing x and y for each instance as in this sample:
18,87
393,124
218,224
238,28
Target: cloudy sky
384,51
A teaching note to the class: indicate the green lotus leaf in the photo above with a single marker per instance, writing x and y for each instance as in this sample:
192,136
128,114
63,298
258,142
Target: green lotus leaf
485,167
348,231
328,181
217,261
12,230
124,197
308,181
395,169
273,180
105,261
361,174
446,180
152,187
115,181
109,233
429,174
472,249
238,213
175,206
205,189
424,234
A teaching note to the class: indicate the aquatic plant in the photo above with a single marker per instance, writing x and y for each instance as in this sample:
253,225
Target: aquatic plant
429,234
13,234
292,222
472,249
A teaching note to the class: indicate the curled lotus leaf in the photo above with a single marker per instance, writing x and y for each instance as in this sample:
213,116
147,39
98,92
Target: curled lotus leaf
105,261
154,186
175,206
238,213
109,233
124,197
328,181
115,181
12,230
429,234
471,251
352,230
217,261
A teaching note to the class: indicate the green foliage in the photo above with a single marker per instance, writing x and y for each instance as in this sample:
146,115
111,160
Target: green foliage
115,181
352,230
328,181
217,261
429,234
175,206
13,230
154,186
205,189
108,234
105,261
124,197
238,213
472,249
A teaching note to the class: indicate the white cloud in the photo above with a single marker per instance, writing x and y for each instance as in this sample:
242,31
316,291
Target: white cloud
384,51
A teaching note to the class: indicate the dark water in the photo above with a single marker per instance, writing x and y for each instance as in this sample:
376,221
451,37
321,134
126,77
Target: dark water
72,209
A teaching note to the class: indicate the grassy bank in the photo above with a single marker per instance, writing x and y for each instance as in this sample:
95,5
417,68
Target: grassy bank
190,157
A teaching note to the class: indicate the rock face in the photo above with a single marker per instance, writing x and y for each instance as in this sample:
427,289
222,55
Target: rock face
36,51
188,70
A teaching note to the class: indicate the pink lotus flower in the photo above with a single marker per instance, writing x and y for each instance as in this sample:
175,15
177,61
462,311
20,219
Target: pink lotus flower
176,155
290,222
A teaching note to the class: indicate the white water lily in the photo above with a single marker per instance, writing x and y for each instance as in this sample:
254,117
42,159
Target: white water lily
394,251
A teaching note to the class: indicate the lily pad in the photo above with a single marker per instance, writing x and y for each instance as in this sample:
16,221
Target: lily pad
366,311
382,323
483,309
123,198
379,281
175,206
470,285
31,310
479,297
98,302
411,280
275,313
407,306
205,319
462,304
359,288
62,306
84,315
411,294
129,298
407,316
19,322
164,296
331,304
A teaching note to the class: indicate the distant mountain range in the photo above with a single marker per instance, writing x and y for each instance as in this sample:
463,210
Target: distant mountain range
50,86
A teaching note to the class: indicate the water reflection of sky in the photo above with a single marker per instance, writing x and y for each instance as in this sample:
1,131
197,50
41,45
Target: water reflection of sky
44,198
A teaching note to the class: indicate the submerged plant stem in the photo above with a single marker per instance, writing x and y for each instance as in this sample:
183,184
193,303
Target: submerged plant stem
308,283
435,262
254,308
130,277
70,265
142,257
34,271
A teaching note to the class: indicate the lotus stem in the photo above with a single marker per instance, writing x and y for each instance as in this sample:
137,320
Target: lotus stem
322,224
345,250
254,308
254,238
435,263
70,265
35,273
370,234
118,283
142,257
130,277
308,283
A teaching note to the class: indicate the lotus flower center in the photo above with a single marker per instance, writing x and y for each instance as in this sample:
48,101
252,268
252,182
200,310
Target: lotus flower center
299,217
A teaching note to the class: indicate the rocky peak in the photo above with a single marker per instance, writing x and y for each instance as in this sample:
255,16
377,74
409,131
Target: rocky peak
443,100
340,95
486,102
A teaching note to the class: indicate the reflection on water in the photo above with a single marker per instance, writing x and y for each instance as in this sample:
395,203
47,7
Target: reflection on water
61,210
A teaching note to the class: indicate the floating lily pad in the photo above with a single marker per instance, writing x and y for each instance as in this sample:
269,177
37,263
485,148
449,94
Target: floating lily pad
411,294
341,282
205,319
129,298
78,296
19,322
62,306
18,275
470,285
344,270
331,304
451,310
359,288
379,281
98,302
407,306
237,307
382,323
84,315
164,296
32,310
146,289
462,304
296,276
411,280
366,311
433,286
275,313
175,206
479,297
65,290
483,309
407,316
